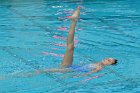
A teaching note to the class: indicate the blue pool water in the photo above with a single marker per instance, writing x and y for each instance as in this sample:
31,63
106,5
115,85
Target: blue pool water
33,36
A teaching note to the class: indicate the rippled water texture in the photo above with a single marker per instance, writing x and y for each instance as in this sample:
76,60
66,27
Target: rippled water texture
33,36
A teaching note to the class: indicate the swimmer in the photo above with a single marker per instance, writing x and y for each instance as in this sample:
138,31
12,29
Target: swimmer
67,63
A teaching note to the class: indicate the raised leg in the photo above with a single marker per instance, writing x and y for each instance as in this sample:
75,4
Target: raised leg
68,57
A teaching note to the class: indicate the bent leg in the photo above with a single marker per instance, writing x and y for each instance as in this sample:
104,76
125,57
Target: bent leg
68,57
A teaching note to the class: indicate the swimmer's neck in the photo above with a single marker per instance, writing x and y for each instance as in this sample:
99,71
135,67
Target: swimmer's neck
103,63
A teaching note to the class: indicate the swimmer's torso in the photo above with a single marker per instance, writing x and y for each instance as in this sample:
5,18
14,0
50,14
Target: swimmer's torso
86,68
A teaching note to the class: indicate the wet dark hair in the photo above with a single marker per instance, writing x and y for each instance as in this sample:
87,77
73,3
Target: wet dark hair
116,61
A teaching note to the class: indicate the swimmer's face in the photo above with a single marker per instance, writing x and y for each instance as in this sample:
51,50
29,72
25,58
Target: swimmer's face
109,61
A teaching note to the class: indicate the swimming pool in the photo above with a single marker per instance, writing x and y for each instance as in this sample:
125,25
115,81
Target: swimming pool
33,36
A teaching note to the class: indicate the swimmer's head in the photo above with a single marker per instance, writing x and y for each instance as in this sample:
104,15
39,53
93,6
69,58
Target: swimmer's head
109,61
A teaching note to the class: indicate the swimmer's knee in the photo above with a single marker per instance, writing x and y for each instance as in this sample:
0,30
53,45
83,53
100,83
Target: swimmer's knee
70,47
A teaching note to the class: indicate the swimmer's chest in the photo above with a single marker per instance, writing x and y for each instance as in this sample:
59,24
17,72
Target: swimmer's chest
85,68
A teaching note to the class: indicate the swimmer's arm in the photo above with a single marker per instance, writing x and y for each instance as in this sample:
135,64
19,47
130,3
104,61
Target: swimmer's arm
89,73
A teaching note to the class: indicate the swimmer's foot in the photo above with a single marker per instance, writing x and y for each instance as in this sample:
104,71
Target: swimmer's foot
75,15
